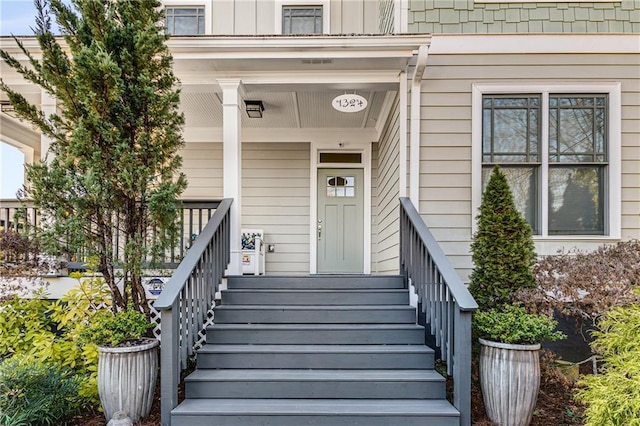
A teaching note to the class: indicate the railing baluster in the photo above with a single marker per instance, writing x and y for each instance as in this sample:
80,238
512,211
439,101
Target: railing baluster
447,303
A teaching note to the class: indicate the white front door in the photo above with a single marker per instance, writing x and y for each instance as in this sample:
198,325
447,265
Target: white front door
340,222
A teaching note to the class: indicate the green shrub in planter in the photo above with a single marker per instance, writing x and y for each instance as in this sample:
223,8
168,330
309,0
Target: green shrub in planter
109,329
514,325
36,393
613,397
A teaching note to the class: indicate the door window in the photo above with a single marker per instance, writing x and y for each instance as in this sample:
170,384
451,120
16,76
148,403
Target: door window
341,186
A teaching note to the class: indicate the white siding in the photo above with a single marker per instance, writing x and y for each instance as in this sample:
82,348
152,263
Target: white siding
202,164
388,193
445,169
275,197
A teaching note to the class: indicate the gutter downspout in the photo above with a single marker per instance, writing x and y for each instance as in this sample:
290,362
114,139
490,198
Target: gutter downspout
414,141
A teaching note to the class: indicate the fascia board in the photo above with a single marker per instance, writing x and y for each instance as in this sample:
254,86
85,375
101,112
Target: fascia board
534,43
401,44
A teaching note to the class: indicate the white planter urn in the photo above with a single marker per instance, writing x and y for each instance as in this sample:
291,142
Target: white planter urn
510,380
127,379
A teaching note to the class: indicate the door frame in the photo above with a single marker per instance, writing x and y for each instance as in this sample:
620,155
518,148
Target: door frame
353,147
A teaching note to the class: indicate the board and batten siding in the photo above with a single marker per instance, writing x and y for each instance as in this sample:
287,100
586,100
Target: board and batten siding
275,198
388,225
446,151
256,17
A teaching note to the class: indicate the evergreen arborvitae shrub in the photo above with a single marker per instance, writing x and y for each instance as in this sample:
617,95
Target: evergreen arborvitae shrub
502,249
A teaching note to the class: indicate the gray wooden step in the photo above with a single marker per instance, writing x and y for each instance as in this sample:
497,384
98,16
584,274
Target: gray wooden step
317,412
310,384
316,282
274,314
316,356
298,297
318,350
339,334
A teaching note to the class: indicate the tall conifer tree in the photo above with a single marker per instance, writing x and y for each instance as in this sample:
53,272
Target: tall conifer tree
502,249
112,173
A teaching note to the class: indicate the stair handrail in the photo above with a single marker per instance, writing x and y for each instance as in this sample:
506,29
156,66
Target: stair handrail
444,299
187,298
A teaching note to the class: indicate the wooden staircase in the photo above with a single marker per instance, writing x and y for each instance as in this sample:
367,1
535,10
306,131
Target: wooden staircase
319,350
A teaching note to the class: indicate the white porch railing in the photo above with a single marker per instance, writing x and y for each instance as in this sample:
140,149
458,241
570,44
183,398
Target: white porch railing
443,298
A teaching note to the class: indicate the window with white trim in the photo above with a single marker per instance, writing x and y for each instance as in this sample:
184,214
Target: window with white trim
302,19
560,153
185,20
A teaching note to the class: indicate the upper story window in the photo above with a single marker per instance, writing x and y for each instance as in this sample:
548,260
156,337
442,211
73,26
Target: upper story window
185,20
302,19
560,152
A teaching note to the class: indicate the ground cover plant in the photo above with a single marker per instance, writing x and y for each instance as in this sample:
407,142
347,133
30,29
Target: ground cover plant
35,393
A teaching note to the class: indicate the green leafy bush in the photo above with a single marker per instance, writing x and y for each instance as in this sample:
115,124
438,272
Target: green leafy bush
503,252
38,330
613,397
514,325
36,393
109,329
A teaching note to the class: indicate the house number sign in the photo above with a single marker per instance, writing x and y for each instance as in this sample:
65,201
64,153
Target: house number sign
349,103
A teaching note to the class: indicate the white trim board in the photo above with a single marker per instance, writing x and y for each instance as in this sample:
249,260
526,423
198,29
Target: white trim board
533,43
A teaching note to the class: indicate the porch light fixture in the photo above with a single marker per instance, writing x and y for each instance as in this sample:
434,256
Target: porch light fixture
8,109
254,108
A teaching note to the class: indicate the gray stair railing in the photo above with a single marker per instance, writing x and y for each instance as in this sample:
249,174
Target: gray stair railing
186,299
444,299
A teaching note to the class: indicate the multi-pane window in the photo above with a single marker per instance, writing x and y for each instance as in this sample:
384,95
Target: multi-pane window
302,20
341,186
185,20
564,167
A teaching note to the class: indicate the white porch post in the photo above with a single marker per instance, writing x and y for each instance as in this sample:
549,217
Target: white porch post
414,149
48,107
232,165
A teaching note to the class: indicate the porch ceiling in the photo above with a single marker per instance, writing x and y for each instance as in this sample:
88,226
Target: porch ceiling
288,109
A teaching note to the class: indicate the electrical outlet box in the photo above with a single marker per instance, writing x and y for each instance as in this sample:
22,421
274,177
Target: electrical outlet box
271,248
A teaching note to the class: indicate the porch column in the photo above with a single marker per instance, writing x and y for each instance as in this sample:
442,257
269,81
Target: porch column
232,164
414,149
48,107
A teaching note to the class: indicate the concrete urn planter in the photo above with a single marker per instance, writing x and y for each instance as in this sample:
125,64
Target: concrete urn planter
510,380
127,379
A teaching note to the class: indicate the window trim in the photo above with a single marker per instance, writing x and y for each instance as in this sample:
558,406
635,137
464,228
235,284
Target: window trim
187,4
613,178
326,12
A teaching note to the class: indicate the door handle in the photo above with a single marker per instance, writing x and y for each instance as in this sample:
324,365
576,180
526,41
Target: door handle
319,229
